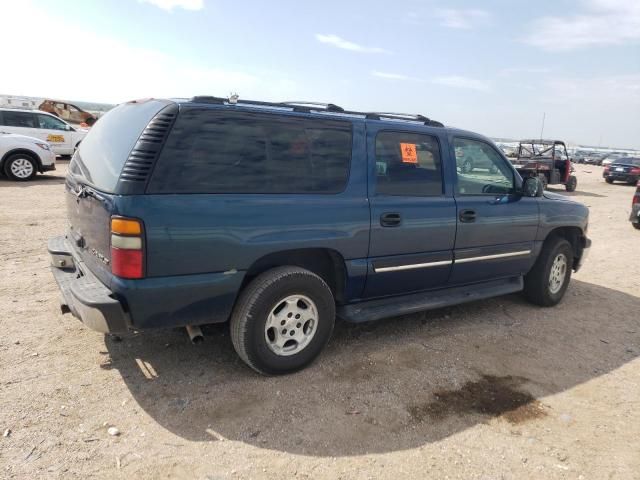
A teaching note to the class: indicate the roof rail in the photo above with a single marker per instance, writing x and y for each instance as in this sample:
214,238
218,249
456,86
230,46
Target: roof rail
404,116
329,107
303,106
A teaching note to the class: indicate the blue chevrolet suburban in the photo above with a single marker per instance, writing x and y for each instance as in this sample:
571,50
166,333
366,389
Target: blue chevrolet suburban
278,217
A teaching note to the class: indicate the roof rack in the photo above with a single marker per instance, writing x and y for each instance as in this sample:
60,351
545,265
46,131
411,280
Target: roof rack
404,116
306,107
329,107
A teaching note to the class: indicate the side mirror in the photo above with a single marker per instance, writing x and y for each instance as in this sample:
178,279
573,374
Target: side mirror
532,187
68,128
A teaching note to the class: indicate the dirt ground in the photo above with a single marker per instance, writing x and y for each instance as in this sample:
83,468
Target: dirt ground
492,389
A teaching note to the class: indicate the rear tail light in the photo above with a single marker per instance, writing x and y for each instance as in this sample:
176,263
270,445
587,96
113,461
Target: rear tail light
635,171
127,248
607,168
636,197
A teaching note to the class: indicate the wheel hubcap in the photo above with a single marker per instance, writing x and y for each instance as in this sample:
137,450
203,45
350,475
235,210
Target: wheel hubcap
21,168
291,325
558,273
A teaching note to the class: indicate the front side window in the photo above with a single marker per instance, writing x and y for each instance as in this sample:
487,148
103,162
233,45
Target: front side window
480,169
18,119
407,164
50,123
231,152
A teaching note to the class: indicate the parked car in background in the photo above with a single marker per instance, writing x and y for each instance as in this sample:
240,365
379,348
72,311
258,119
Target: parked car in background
594,159
62,137
68,112
279,216
21,157
609,158
635,209
623,170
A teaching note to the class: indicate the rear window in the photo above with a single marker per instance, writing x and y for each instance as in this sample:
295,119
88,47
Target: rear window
627,161
212,151
104,150
18,119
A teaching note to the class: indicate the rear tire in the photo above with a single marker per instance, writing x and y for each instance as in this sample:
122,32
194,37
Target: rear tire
20,167
290,297
543,180
608,180
467,166
636,226
547,282
572,184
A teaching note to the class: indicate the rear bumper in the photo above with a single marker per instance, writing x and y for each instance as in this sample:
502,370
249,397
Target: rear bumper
48,168
83,294
155,302
622,177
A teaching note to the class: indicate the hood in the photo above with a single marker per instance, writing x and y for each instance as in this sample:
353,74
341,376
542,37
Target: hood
556,196
20,138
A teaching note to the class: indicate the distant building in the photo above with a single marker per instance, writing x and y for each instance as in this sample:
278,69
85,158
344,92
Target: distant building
19,102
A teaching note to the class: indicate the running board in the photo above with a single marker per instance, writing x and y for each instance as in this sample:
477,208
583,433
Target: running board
370,310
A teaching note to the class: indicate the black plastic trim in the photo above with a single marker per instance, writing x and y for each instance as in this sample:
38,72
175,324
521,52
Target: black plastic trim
138,167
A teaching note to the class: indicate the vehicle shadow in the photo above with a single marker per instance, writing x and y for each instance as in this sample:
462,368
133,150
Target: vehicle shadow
576,193
389,385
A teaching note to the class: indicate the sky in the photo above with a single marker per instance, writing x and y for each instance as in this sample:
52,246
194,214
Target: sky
494,67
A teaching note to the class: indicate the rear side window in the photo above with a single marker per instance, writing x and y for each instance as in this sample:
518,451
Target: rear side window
103,152
408,164
230,152
18,119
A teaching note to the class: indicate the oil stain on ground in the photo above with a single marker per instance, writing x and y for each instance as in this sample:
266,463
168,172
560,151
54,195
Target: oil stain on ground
491,395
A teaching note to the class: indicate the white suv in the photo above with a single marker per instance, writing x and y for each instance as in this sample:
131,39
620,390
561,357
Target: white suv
22,157
62,137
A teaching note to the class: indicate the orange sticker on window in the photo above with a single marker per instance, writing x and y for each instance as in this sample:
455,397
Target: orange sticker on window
409,153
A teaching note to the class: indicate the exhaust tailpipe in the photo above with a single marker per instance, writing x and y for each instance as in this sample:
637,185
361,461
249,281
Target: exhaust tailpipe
195,334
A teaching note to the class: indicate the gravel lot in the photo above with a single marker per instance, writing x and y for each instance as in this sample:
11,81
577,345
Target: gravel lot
492,389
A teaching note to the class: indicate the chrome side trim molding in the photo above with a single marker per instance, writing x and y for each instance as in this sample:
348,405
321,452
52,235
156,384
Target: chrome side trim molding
491,257
412,266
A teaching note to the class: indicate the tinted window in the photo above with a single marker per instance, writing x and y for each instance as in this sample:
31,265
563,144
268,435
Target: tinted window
481,169
230,152
107,146
627,161
407,164
18,119
50,123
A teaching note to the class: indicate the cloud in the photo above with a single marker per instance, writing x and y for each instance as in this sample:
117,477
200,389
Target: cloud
338,42
394,76
169,5
106,69
458,81
606,22
523,70
462,18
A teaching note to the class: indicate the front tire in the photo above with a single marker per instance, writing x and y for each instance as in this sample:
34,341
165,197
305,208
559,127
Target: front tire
572,184
608,180
282,320
547,281
20,167
467,166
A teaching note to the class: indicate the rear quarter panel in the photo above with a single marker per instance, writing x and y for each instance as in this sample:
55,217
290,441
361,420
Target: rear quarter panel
206,233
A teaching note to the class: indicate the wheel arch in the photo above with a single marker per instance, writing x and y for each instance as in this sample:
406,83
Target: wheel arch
574,235
327,263
24,151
